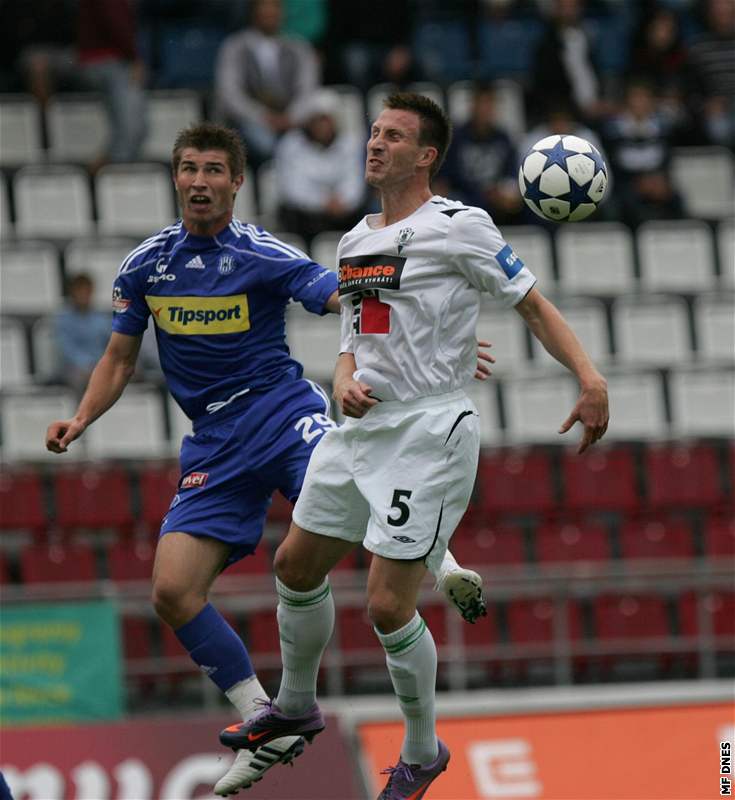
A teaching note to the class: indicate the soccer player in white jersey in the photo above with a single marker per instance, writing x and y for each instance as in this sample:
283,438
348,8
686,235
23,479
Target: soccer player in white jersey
398,474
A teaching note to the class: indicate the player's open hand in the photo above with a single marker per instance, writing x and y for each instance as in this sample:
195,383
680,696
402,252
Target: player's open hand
62,433
483,372
592,411
353,398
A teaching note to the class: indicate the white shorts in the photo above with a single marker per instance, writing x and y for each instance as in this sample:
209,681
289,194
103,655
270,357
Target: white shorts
398,479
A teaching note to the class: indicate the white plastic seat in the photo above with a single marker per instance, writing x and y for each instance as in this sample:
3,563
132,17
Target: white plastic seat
53,201
20,130
268,194
595,259
485,397
651,330
726,252
313,341
6,224
100,258
14,366
178,423
702,402
506,331
511,113
77,127
132,428
705,177
294,240
246,208
168,113
324,248
351,116
535,408
714,323
25,417
534,247
134,199
30,278
588,320
637,410
676,256
46,356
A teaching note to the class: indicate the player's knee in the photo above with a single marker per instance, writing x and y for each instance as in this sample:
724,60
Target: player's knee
386,612
293,572
169,601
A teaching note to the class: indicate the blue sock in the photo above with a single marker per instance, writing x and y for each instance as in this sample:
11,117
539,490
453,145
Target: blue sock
216,648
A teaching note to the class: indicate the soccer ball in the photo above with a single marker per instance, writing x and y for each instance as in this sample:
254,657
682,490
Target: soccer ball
563,178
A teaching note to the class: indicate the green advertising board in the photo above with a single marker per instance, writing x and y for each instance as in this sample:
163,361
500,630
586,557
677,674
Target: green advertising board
60,662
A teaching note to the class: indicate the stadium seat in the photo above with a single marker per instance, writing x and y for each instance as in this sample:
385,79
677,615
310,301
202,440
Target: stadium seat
507,46
511,113
504,328
101,259
31,278
6,225
484,395
435,617
45,348
443,49
25,417
719,535
22,501
132,428
566,542
484,632
158,483
726,252
246,207
721,605
629,616
20,130
601,479
313,341
653,330
637,408
89,496
536,407
705,177
267,194
676,256
131,560
187,53
52,202
659,538
43,563
595,259
168,113
14,364
488,545
324,248
532,620
77,127
680,476
534,247
262,632
515,482
714,324
351,117
703,401
588,320
356,631
136,638
258,563
123,209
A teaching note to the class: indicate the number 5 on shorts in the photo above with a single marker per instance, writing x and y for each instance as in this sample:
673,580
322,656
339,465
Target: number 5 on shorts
403,510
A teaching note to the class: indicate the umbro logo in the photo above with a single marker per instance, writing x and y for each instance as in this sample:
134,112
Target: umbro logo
404,539
195,263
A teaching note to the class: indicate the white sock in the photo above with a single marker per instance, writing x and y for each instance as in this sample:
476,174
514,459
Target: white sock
411,659
244,694
305,624
449,564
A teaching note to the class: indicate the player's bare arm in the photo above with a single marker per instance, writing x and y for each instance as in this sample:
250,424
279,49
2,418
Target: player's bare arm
106,384
552,330
353,397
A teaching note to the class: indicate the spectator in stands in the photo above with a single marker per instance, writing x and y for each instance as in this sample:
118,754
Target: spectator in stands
638,142
81,333
319,172
712,74
262,79
481,163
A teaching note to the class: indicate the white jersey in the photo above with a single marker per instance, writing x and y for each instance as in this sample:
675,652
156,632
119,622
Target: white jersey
410,295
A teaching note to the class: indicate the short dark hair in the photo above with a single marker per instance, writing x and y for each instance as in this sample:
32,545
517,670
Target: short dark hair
435,127
211,136
78,280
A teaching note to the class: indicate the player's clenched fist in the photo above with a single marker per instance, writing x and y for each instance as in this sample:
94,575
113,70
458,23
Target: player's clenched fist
62,433
353,398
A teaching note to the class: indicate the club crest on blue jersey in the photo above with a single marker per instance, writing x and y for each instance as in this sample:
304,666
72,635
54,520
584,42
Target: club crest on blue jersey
226,265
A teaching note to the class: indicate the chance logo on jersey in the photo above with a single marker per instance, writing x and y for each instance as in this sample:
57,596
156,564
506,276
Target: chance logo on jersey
200,315
358,273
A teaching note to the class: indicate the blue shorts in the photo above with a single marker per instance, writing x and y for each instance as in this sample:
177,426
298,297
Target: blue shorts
233,463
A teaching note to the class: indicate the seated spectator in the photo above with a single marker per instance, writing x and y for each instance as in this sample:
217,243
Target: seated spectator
262,78
319,172
481,162
711,68
638,141
81,333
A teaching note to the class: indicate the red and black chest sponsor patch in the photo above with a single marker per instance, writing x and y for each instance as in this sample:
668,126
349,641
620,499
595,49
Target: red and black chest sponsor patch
361,273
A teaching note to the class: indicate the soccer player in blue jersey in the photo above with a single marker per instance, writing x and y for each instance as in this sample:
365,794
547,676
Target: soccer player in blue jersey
217,290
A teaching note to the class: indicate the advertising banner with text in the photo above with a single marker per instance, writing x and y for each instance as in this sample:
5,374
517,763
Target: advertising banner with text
662,753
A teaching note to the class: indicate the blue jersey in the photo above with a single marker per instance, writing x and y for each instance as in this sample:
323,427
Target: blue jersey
219,306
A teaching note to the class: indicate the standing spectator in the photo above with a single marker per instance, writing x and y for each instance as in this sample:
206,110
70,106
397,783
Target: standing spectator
262,78
712,74
81,333
481,163
638,142
319,172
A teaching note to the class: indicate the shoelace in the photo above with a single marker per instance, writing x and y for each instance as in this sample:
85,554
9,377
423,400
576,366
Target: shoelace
266,705
401,771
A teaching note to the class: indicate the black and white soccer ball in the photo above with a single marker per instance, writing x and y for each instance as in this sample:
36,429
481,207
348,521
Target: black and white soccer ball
563,178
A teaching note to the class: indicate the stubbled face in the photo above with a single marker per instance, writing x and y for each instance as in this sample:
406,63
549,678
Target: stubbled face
393,150
206,190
